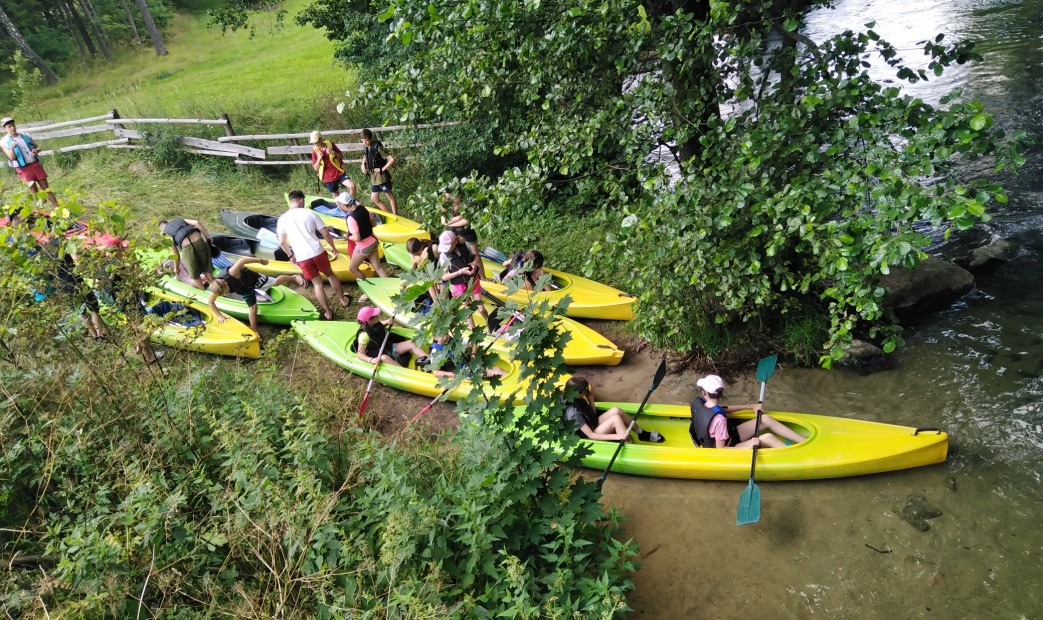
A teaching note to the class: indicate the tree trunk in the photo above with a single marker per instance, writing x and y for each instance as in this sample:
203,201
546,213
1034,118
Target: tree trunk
157,38
92,19
86,36
48,75
130,22
63,9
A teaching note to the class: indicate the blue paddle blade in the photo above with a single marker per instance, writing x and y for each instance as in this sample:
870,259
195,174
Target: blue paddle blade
766,368
749,505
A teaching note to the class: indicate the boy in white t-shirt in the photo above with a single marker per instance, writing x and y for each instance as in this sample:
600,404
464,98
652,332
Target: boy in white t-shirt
297,230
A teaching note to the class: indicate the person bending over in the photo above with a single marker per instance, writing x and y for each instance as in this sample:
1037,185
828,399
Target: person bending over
242,281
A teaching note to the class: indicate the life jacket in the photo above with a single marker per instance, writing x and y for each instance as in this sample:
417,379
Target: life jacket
336,158
699,428
374,159
590,416
376,335
361,217
21,159
245,283
458,260
178,229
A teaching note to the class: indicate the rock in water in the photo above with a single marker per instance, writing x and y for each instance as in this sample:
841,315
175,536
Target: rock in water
915,510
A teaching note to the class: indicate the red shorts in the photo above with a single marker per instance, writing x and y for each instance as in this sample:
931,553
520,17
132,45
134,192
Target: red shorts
31,173
315,265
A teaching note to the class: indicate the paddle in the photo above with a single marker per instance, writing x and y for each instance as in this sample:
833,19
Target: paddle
750,500
499,333
376,366
656,380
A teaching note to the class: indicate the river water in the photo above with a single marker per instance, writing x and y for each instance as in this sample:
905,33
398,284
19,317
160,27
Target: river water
836,549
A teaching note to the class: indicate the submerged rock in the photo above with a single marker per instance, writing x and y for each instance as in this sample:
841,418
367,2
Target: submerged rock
988,256
934,284
915,510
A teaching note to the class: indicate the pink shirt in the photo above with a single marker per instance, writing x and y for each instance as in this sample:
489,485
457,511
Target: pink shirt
353,229
719,427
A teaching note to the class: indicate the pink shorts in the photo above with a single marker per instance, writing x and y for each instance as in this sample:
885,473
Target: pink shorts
315,265
31,173
457,290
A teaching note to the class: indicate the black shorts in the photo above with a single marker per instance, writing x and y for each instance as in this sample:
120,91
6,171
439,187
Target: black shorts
382,188
467,234
733,432
333,187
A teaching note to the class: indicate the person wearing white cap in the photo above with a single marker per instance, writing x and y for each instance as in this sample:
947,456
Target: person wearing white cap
459,270
360,224
328,162
23,155
711,428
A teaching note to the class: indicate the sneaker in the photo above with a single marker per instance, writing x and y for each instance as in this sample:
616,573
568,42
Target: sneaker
651,437
422,361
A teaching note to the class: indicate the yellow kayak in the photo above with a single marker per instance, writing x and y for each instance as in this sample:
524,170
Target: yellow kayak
233,248
585,346
390,228
835,447
335,340
185,331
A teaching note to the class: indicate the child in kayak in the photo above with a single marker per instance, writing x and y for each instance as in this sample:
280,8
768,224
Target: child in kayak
711,428
371,337
608,426
245,282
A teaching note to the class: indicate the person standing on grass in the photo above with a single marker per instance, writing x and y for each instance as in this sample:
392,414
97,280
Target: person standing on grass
23,155
328,162
360,223
376,162
297,230
191,249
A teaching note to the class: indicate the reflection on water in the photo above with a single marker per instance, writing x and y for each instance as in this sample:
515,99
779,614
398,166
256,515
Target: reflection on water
837,549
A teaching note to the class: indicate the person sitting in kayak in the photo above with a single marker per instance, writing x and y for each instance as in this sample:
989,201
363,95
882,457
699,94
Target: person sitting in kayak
245,282
360,231
711,428
444,362
371,337
423,251
516,266
608,426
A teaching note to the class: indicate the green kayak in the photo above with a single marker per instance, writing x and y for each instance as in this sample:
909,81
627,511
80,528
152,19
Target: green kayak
585,346
278,305
335,340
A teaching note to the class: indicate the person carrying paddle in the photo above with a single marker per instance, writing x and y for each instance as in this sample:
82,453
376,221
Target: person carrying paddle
711,428
191,248
239,280
375,162
460,272
371,336
608,426
360,224
296,229
328,162
23,155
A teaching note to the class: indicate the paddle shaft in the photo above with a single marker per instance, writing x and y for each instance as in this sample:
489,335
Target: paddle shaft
376,366
633,422
757,429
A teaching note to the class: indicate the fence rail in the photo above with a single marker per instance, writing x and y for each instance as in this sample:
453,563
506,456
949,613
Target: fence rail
287,150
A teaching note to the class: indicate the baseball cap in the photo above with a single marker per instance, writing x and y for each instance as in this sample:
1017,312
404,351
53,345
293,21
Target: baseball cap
345,198
445,241
315,137
710,383
368,312
7,121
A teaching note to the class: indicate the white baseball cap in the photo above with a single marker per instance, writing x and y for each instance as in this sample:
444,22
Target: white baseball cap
7,121
445,241
345,198
711,383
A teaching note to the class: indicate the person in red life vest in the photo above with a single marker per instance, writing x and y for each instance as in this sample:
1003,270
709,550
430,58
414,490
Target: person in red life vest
23,155
328,162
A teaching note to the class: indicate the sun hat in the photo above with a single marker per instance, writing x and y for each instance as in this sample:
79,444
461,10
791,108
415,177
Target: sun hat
345,198
7,121
445,241
711,383
368,312
315,137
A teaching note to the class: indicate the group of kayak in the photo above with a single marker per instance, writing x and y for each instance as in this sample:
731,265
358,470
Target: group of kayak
246,278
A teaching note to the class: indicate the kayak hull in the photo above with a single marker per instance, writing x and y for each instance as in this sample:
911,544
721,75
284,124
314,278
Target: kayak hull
284,307
333,340
392,228
835,448
230,338
585,347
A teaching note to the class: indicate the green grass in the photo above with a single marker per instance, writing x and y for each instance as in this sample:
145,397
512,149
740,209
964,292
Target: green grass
279,80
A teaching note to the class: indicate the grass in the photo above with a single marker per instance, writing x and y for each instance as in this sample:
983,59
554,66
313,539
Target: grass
279,80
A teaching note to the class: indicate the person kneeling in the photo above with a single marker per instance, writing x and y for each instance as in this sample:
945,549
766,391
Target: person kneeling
609,426
711,428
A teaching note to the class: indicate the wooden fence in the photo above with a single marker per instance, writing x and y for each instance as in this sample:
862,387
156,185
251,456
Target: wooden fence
284,149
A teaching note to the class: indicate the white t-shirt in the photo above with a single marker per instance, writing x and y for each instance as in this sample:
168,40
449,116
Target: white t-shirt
300,227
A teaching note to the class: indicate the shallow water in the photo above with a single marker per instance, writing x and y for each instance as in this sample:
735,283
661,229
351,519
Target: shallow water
836,549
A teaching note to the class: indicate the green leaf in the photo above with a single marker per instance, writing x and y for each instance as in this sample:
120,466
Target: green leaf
979,121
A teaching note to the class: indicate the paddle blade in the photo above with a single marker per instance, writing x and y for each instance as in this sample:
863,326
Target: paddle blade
766,368
362,407
749,505
659,374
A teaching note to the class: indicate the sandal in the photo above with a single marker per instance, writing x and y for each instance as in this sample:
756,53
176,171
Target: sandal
651,437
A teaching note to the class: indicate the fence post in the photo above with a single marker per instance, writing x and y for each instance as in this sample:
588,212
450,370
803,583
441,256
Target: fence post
228,124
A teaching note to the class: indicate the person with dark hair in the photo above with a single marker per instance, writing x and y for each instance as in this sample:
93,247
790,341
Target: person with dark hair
297,230
191,248
711,428
611,425
462,227
24,156
245,282
360,224
459,270
516,266
376,162
371,336
423,251
328,162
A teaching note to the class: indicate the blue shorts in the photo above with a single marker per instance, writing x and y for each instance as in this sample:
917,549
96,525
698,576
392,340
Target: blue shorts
382,188
333,187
